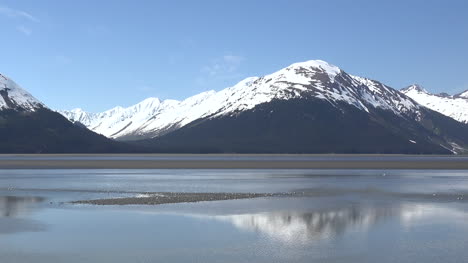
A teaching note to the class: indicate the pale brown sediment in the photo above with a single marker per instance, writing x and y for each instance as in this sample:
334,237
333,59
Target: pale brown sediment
183,164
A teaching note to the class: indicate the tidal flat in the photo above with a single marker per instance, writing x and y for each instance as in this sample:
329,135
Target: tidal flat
233,215
231,161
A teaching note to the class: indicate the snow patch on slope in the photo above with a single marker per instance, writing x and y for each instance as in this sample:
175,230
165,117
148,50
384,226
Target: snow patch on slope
313,79
381,96
455,107
463,94
14,97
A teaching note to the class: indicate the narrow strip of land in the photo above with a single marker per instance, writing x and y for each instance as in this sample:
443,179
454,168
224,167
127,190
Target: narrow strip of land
233,161
184,197
172,198
127,164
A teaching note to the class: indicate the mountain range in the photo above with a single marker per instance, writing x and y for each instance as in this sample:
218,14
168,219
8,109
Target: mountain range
308,107
454,106
313,79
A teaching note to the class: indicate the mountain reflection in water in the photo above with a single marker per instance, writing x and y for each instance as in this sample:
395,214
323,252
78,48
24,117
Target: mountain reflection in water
14,214
13,206
303,227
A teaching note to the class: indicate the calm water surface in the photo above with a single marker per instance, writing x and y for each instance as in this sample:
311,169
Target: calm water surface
341,216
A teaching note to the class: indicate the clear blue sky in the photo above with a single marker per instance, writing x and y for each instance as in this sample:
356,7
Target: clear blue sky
99,54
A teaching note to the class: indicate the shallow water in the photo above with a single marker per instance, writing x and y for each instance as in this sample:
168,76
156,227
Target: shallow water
341,216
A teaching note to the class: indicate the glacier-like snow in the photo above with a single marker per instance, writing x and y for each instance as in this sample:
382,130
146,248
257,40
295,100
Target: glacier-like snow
312,79
455,107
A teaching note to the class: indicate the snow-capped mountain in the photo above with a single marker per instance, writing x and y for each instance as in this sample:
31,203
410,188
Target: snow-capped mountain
308,107
28,126
462,95
455,106
312,79
14,97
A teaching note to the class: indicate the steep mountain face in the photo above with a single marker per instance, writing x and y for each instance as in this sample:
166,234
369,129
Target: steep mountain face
125,122
309,107
311,125
455,106
311,79
299,126
13,97
28,126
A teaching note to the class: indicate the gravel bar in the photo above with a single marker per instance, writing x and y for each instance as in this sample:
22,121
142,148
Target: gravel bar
172,198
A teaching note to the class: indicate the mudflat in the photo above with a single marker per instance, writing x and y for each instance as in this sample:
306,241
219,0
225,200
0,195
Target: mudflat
172,198
231,161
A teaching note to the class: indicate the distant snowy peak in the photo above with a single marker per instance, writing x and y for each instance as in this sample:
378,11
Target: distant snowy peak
12,96
414,88
462,95
315,79
78,115
455,106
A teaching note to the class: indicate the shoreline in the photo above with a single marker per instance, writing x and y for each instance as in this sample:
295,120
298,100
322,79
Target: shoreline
2,155
232,161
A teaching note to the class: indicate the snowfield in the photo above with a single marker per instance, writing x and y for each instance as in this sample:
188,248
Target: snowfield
455,106
14,97
311,79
